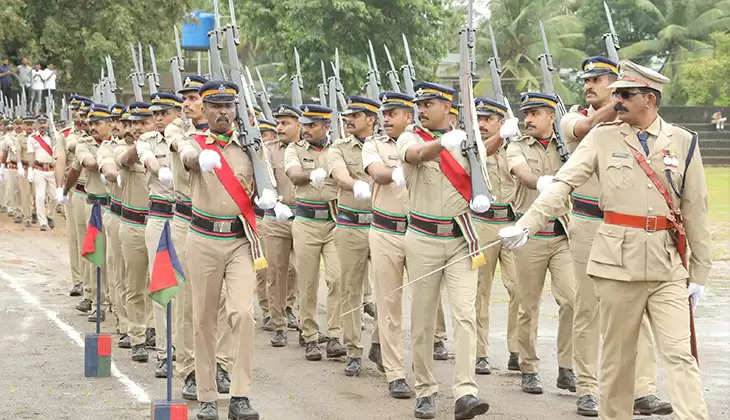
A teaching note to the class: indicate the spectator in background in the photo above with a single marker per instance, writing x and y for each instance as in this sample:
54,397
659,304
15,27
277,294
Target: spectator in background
49,82
25,74
37,88
6,79
719,120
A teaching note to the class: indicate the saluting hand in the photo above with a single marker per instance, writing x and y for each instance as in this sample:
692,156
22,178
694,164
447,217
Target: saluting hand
453,139
209,160
165,176
317,176
361,190
398,177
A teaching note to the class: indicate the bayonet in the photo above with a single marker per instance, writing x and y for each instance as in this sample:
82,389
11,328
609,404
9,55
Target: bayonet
177,64
611,38
200,65
296,82
495,70
215,47
392,73
110,74
409,71
375,64
136,76
323,86
546,67
265,98
153,79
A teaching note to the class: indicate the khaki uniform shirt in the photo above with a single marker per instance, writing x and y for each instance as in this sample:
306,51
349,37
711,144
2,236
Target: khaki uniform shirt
208,193
275,151
503,183
627,253
389,198
429,191
306,156
9,146
347,154
134,181
567,125
181,177
542,161
94,184
22,144
153,142
105,156
39,153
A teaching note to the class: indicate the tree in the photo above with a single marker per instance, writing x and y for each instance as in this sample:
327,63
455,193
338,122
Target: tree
704,81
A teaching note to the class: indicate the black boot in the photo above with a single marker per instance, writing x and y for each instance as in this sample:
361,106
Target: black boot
161,368
482,366
399,389
335,348
468,407
651,404
439,351
566,379
425,407
376,357
190,388
222,379
279,339
139,353
531,383
587,405
291,320
353,366
240,409
514,361
208,411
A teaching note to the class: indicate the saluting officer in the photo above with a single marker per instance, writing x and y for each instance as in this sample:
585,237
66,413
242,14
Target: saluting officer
650,181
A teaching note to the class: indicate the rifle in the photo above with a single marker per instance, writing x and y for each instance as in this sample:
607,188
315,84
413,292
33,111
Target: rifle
177,64
215,65
322,87
265,98
409,78
63,115
335,118
495,71
136,75
249,134
296,83
546,66
339,89
200,66
374,86
153,79
472,147
611,38
50,109
112,80
392,73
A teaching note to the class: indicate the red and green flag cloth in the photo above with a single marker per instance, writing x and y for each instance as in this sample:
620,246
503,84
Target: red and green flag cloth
93,249
167,274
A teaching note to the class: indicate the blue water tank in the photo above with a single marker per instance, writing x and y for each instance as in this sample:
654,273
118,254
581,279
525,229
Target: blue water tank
195,28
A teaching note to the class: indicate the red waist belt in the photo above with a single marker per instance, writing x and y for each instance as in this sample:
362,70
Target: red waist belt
648,223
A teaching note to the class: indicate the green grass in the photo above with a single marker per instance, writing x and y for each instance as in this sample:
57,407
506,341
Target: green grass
718,187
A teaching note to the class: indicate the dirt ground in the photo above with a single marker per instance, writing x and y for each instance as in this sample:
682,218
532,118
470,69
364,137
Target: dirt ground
41,337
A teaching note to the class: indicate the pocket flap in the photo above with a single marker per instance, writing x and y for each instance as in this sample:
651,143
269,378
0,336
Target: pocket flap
608,245
615,161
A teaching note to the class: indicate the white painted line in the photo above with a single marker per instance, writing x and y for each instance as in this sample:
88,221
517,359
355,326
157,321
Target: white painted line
132,387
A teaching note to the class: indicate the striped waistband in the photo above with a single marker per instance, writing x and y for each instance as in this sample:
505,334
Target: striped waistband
184,209
45,167
216,227
586,206
349,217
439,227
160,208
389,222
498,213
134,216
79,187
315,210
553,229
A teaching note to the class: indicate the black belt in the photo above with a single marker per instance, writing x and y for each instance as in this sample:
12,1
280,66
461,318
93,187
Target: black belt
395,224
138,217
116,208
80,188
184,209
349,217
218,227
92,199
556,229
496,213
319,212
586,207
272,213
259,212
161,208
435,227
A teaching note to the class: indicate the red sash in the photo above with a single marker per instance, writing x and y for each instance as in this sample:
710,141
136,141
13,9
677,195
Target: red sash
43,144
454,172
66,131
232,185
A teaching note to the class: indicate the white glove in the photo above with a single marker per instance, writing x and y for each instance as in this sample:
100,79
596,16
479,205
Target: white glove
30,174
480,203
267,200
513,236
544,182
165,176
398,177
316,177
453,139
361,190
282,211
21,171
59,195
509,129
209,160
103,178
119,180
695,292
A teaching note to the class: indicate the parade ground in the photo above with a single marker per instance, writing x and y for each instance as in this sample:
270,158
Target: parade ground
41,338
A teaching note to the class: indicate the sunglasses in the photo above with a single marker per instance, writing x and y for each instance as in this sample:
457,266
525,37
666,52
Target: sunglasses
626,94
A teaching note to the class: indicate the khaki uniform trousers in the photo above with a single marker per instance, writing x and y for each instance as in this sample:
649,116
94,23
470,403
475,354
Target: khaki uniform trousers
115,271
262,276
45,191
488,233
353,252
622,307
425,254
135,257
533,261
26,196
314,239
281,277
74,252
11,188
586,325
220,262
82,212
152,233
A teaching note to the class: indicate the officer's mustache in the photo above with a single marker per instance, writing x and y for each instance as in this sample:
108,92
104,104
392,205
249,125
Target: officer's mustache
619,107
223,118
350,125
528,126
589,91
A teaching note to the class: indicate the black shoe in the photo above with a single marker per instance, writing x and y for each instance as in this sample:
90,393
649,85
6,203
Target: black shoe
208,411
302,343
27,223
291,320
370,309
587,405
279,339
439,351
240,409
161,368
84,306
514,361
375,356
266,324
482,366
92,316
399,389
18,220
531,383
468,407
322,338
222,379
76,290
335,348
139,353
124,342
353,366
150,340
34,219
425,407
190,388
566,379
51,223
44,228
651,404
313,352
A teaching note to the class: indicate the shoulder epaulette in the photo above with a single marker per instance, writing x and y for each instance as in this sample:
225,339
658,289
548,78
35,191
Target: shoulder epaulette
609,123
690,132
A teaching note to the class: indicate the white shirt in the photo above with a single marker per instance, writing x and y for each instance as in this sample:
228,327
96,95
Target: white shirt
37,81
40,153
50,79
